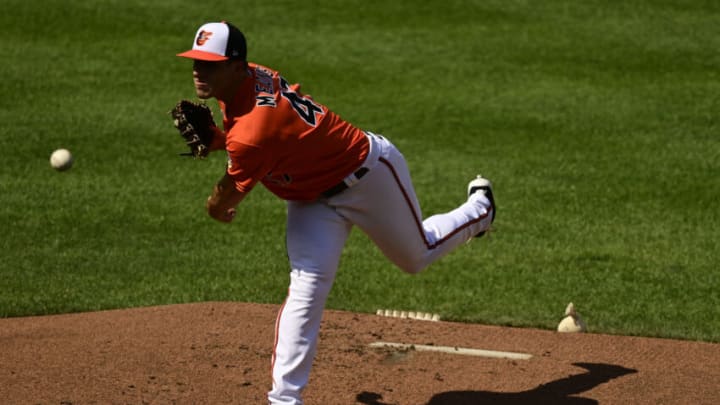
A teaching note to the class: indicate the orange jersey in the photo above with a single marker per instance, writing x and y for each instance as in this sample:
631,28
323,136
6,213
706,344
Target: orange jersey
295,146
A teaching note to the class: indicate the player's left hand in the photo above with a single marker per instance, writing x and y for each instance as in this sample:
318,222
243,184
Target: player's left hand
196,125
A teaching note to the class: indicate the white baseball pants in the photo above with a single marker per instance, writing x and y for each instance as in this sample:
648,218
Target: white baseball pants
382,204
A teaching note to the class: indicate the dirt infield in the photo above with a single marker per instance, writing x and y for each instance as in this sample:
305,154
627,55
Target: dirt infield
219,353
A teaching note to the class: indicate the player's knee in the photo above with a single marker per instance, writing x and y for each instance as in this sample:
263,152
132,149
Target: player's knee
412,266
310,284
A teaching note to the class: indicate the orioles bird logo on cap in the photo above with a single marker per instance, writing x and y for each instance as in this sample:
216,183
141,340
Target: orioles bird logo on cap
203,37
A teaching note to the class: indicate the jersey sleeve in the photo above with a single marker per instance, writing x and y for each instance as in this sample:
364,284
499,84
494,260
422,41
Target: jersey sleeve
246,165
218,140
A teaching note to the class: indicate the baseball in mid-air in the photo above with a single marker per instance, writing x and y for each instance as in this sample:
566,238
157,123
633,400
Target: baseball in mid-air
61,160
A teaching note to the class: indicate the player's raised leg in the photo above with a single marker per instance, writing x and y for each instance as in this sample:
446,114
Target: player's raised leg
384,206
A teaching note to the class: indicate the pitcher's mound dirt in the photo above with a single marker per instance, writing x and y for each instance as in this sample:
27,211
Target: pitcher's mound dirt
219,353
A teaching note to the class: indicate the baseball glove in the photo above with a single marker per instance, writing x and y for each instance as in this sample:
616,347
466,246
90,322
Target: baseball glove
196,125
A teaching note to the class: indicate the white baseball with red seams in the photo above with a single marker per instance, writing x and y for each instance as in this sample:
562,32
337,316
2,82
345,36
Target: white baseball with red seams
61,160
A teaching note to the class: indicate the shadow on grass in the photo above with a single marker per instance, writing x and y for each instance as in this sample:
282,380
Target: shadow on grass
555,392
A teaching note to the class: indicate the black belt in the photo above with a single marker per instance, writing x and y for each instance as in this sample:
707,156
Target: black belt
340,187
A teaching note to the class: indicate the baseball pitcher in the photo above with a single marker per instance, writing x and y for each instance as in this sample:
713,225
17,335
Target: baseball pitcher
333,176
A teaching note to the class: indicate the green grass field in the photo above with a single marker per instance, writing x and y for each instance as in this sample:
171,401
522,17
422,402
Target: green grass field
597,122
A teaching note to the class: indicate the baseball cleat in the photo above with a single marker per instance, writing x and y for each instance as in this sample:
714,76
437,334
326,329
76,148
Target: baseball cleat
483,185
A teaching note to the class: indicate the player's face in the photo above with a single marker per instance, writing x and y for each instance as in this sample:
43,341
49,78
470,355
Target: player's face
214,79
